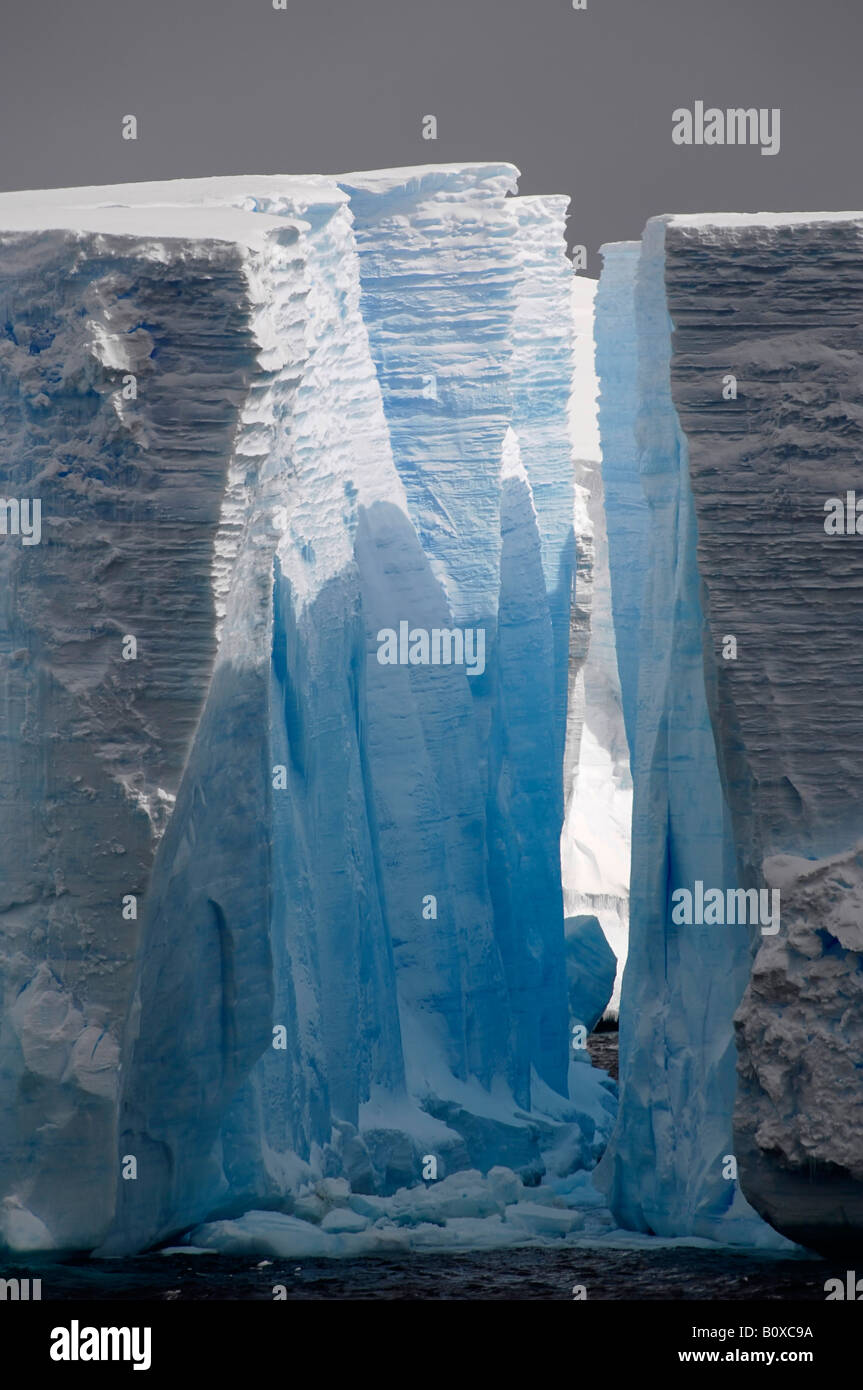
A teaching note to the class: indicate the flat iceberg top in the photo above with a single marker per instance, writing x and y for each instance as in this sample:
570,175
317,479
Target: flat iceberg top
288,195
303,190
388,178
159,221
754,219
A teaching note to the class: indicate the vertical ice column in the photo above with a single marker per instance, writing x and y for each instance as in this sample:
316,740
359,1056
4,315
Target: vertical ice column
205,986
311,451
626,510
524,801
451,274
664,1166
542,373
439,272
537,583
94,745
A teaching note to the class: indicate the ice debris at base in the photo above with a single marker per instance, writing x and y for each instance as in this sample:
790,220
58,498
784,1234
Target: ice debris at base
268,419
467,1211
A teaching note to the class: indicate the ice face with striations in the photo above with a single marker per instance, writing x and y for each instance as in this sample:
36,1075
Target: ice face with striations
274,910
778,302
736,393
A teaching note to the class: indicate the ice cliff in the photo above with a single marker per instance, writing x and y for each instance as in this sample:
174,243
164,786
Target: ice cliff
729,357
273,910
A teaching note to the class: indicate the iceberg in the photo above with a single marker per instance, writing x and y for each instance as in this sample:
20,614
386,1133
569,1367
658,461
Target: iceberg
277,911
734,403
766,379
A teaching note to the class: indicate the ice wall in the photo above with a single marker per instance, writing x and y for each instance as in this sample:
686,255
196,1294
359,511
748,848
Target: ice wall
95,746
776,302
664,1167
450,298
348,946
745,344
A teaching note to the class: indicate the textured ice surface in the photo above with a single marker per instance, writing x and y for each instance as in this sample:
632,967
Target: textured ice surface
95,748
664,1167
450,304
627,517
799,1111
778,302
346,417
742,763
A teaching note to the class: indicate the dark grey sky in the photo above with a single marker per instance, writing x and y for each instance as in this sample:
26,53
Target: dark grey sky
580,101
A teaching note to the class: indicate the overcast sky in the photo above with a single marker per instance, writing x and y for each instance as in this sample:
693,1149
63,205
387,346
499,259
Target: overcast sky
581,101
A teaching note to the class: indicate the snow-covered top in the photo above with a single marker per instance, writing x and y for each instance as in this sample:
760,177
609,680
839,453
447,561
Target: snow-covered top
303,190
618,247
213,208
156,221
415,175
754,219
90,208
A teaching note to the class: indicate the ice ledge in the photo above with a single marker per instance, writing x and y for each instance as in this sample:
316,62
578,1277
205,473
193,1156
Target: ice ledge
753,219
160,222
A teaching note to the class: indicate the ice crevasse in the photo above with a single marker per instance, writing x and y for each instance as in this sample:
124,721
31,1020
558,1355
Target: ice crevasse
274,910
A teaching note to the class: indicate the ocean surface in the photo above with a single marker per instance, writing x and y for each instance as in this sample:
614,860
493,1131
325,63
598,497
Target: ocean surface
534,1273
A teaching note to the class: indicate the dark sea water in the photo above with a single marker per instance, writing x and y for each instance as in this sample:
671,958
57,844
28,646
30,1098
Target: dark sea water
603,1049
661,1273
